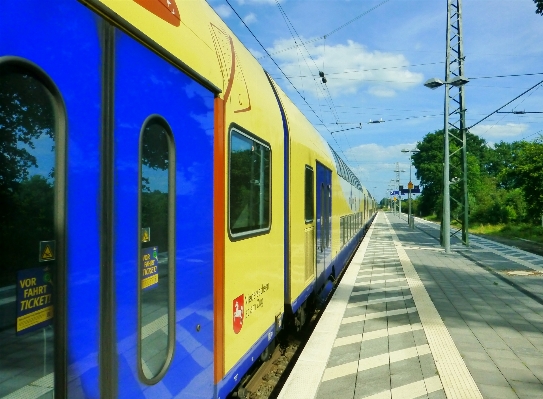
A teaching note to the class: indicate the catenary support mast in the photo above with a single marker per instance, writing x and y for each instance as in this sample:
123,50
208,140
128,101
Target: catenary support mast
455,177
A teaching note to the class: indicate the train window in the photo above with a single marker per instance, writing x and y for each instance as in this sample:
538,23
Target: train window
342,230
32,138
249,185
156,266
309,212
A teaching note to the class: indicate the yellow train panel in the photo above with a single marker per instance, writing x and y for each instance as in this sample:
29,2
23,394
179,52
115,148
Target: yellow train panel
254,265
306,147
190,31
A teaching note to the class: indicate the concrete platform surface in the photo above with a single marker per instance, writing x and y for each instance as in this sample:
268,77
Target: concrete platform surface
409,321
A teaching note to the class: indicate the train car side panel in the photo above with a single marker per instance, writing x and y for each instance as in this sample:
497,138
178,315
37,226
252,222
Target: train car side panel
164,331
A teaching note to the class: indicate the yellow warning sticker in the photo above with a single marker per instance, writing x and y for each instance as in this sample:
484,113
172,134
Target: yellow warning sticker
47,253
37,317
149,281
145,234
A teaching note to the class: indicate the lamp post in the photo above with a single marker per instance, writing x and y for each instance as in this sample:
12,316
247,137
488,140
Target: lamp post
434,83
454,76
398,171
410,186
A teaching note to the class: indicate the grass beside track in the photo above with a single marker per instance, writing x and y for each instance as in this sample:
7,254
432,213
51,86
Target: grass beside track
522,230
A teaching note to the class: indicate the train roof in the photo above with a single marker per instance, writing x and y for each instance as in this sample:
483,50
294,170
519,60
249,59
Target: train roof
196,22
344,171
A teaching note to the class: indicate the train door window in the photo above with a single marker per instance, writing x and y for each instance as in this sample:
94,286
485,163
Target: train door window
249,185
156,271
32,142
329,215
308,205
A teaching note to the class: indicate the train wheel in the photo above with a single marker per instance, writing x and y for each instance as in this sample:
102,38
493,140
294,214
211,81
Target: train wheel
268,352
300,317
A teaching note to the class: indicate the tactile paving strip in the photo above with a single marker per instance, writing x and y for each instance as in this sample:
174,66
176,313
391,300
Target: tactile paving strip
455,377
304,379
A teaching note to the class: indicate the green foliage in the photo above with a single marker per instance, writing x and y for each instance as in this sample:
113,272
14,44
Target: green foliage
539,4
154,214
429,164
26,198
25,114
29,220
505,183
529,175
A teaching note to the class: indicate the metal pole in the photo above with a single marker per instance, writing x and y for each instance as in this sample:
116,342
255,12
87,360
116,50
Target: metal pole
463,130
409,187
446,217
399,192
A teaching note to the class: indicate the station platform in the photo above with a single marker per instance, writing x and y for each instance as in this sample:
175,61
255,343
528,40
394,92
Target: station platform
409,321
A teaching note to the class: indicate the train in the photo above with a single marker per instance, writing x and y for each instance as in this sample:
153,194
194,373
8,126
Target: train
166,208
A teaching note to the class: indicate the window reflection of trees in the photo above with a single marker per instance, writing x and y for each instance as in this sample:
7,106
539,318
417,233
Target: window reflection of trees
155,211
249,184
154,196
26,190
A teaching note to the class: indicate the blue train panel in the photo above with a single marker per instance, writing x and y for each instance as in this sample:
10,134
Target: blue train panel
62,39
324,227
153,97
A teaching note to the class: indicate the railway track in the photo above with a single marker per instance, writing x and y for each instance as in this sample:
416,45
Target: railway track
267,379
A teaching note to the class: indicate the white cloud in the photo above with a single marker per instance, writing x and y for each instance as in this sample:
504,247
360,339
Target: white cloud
373,153
250,18
500,131
375,164
223,10
348,68
255,53
380,91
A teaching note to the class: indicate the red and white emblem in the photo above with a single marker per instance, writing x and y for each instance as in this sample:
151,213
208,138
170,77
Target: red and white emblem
164,9
237,310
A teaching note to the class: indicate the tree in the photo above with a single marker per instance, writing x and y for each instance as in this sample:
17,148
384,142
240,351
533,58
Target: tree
429,164
529,174
25,114
502,163
26,199
539,4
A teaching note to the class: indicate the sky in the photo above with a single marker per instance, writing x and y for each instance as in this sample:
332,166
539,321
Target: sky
376,65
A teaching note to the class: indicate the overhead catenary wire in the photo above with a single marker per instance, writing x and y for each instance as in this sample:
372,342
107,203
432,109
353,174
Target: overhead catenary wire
533,134
329,95
377,69
291,28
330,33
278,67
503,106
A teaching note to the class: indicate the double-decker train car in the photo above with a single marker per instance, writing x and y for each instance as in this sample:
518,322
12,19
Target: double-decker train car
165,207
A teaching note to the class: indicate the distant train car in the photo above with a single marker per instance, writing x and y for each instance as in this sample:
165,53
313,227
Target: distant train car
165,206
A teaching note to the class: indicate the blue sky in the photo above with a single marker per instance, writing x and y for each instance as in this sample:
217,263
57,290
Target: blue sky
376,67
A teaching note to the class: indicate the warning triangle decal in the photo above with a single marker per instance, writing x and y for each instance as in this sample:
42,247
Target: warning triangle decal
164,9
47,253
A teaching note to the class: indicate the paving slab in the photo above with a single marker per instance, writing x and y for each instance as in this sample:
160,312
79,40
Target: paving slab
419,323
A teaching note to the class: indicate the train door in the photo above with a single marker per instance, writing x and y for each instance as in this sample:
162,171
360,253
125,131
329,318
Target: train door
49,195
324,208
163,228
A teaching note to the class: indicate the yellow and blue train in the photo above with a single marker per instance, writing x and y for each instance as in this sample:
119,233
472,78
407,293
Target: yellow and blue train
164,205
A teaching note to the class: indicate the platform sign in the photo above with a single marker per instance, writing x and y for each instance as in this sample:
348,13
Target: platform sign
34,299
149,268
